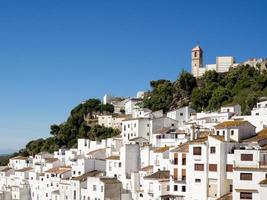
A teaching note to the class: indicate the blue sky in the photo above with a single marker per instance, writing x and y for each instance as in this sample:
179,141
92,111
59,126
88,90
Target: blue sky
54,54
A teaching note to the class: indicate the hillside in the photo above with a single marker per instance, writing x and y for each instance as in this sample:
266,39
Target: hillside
243,85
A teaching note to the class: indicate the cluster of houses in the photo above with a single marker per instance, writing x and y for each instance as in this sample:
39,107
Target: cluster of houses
182,155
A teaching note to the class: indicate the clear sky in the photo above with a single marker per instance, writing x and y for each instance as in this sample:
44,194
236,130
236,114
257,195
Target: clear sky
54,54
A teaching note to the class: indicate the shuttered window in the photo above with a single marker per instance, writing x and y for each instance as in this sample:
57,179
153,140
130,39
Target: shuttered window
183,159
175,173
197,151
229,168
247,157
199,167
176,158
213,167
245,195
246,176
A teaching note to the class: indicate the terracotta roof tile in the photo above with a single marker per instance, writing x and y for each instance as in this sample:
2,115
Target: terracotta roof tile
19,158
159,175
108,180
161,149
147,168
229,124
182,148
88,174
113,158
59,170
24,169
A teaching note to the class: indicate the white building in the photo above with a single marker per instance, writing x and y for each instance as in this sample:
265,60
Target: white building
235,109
223,63
181,115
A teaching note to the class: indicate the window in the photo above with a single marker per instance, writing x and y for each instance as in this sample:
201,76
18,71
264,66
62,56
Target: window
232,132
119,164
183,161
246,176
212,150
183,188
197,151
74,194
176,161
175,187
212,167
247,157
229,168
181,114
195,54
245,195
197,180
94,187
175,173
218,132
102,188
199,167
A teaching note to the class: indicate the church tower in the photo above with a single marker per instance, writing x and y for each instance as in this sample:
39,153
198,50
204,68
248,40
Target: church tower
197,60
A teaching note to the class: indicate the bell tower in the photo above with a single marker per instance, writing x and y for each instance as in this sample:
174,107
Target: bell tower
197,60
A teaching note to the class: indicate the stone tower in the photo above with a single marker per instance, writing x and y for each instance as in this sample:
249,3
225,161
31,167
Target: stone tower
197,60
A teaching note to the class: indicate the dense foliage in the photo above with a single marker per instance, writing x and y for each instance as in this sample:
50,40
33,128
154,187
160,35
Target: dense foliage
243,85
80,124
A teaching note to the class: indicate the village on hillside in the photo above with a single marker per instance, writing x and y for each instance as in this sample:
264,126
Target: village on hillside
178,155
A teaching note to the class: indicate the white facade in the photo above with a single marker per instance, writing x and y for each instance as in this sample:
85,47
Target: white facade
232,108
181,115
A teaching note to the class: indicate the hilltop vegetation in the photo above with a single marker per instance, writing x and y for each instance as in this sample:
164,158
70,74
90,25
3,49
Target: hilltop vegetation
243,85
78,125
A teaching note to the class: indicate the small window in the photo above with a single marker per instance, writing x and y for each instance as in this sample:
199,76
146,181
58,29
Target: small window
246,176
229,168
181,114
197,180
197,151
245,195
175,188
183,188
232,132
183,161
199,167
246,157
212,150
212,167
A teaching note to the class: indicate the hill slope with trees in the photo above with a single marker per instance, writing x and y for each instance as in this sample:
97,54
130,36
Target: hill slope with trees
243,85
